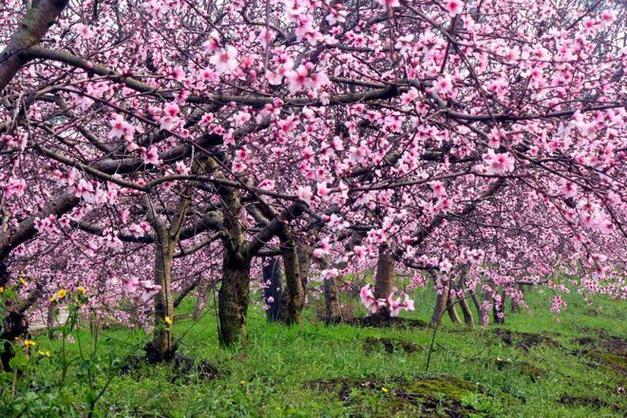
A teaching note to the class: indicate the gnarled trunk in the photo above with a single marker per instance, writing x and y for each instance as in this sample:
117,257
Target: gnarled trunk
233,300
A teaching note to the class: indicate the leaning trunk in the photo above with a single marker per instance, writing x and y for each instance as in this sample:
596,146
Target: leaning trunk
475,301
452,312
440,306
463,304
233,301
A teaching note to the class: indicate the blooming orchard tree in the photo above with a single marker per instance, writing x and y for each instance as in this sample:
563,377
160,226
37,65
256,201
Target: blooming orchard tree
481,141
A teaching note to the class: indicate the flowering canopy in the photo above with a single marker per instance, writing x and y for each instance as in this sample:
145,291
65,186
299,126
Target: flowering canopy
482,134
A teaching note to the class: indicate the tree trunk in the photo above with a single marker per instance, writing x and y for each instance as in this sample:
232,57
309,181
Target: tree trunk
516,307
498,310
14,324
484,311
475,301
463,304
383,283
233,301
440,306
452,312
162,346
273,288
50,325
332,302
304,260
294,295
201,300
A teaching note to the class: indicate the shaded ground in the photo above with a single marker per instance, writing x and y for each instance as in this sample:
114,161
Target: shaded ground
591,401
525,340
428,396
607,350
183,368
383,322
391,345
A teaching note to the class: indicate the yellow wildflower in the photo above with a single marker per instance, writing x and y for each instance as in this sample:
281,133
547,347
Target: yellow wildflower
81,290
1,290
61,294
384,389
168,320
29,343
44,353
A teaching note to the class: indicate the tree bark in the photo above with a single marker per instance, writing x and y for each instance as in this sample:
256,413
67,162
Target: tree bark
452,312
383,279
305,252
201,301
486,305
15,321
233,301
498,310
294,294
468,319
441,301
475,301
50,325
36,23
162,345
332,302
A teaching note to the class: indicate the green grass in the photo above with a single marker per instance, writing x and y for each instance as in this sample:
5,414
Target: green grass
314,370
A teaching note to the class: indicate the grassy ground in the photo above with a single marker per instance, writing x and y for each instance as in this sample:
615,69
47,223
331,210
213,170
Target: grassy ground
319,371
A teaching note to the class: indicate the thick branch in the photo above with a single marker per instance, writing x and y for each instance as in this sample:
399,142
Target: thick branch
36,23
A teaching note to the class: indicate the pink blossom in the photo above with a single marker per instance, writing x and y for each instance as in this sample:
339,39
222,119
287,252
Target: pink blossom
14,187
454,7
389,4
151,156
498,164
84,31
224,60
